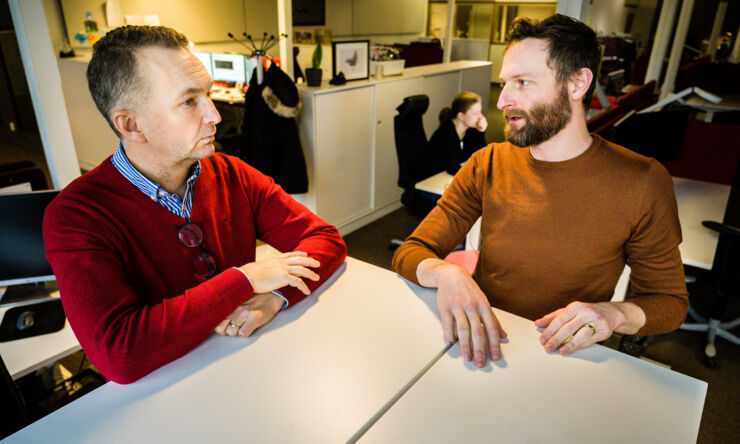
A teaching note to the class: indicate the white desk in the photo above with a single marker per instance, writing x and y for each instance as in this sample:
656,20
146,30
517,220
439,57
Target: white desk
436,184
324,368
698,201
730,102
24,356
317,373
596,395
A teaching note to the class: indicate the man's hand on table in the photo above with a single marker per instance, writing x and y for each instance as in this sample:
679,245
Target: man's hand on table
464,309
282,270
251,315
581,324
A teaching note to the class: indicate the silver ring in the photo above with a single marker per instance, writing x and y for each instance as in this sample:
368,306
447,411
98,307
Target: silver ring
593,329
239,326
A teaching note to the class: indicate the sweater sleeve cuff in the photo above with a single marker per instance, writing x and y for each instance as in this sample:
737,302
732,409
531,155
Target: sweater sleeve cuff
230,284
407,263
285,300
663,313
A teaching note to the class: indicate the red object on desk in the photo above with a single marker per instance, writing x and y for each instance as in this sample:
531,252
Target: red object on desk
464,258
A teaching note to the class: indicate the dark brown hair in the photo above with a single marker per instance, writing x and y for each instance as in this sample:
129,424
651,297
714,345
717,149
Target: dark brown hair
111,74
572,45
461,104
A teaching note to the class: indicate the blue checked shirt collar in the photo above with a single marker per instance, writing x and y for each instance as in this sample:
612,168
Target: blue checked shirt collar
172,202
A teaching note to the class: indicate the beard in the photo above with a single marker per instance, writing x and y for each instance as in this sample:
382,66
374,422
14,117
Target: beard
541,122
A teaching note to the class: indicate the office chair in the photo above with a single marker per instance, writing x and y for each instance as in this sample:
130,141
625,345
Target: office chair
724,276
414,161
658,134
24,171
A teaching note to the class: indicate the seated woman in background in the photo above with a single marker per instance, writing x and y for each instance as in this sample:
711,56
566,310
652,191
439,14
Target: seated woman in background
461,131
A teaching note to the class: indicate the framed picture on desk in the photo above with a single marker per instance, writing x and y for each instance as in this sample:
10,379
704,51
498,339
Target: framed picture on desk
351,58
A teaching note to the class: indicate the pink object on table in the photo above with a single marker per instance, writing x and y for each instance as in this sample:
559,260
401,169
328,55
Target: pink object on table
464,258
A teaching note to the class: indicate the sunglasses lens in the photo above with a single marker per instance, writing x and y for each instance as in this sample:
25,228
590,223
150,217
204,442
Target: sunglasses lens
205,265
190,235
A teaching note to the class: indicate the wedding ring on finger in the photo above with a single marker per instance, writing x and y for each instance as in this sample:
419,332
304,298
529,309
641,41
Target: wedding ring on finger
593,329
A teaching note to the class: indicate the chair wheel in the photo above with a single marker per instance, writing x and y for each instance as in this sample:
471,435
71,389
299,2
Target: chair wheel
710,361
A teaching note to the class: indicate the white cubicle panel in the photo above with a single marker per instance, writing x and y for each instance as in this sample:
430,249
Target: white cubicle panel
477,80
344,141
530,396
441,89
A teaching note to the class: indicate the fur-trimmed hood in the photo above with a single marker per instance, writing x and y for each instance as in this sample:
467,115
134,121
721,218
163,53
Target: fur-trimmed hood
280,93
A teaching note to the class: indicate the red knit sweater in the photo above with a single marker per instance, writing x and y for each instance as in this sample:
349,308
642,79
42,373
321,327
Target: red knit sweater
128,285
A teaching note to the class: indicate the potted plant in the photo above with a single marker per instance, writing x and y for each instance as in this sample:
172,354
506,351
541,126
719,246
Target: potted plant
313,74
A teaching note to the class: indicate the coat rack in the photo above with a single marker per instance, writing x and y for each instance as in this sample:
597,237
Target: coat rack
260,50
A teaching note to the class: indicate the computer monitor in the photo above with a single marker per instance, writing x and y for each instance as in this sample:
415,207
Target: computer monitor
250,63
22,255
228,67
206,59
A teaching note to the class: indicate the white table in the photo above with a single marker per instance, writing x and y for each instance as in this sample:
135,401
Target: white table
331,365
698,201
596,395
730,102
317,373
24,356
436,184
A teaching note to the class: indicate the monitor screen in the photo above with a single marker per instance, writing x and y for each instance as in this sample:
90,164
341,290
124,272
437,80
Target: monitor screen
22,256
229,67
250,63
205,58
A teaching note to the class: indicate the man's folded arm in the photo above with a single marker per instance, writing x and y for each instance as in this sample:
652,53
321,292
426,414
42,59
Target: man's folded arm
445,226
289,226
124,337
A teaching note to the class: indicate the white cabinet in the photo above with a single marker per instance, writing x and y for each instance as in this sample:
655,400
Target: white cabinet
388,96
348,138
343,155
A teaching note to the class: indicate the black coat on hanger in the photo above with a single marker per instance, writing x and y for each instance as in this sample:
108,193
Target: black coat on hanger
270,130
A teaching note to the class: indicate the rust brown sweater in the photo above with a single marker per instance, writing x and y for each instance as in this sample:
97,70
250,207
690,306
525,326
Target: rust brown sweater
557,232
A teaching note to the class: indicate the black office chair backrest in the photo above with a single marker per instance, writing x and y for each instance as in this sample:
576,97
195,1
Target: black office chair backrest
732,211
727,256
414,162
658,134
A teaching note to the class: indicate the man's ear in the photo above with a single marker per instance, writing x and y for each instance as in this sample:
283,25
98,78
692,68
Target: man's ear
579,83
127,124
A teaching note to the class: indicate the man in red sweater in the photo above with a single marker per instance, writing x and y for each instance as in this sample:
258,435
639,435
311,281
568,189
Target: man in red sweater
154,249
562,211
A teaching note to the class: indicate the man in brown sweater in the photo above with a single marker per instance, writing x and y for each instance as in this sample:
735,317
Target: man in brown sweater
562,212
